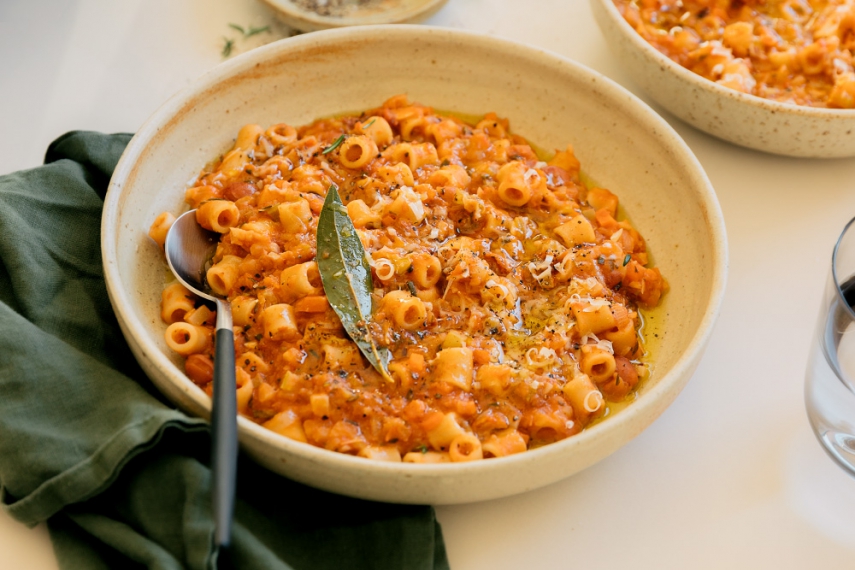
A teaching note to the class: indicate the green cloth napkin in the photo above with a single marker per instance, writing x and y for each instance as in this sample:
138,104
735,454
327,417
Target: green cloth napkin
87,444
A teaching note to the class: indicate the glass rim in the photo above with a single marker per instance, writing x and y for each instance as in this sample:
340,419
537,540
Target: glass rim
834,277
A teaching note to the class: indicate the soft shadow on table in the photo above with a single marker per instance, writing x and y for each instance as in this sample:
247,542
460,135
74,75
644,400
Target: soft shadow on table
819,491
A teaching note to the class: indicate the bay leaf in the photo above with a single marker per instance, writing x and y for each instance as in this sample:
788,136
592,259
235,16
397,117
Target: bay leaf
346,277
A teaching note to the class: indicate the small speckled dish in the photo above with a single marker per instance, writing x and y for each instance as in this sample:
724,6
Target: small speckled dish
552,101
313,15
736,117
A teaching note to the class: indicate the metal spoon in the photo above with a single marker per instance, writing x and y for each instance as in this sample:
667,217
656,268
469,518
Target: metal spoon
188,248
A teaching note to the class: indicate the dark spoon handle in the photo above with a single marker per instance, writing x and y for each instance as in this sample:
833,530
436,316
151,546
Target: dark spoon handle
225,443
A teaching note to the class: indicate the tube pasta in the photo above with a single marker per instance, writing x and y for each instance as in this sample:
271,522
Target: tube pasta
398,173
280,322
176,301
427,270
577,231
451,175
295,217
407,311
598,364
160,227
592,319
504,443
243,310
388,453
454,365
442,435
378,129
584,397
302,279
218,215
357,152
187,339
413,155
281,134
465,447
505,294
513,189
361,215
200,316
223,275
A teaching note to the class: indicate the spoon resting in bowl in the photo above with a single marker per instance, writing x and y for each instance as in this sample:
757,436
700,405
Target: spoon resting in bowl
188,248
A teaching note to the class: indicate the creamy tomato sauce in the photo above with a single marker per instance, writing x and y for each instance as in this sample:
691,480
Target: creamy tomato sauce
506,290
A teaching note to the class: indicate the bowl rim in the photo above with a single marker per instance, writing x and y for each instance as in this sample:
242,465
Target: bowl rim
292,11
688,76
646,404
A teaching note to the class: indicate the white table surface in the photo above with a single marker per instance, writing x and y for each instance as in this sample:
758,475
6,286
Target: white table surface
729,477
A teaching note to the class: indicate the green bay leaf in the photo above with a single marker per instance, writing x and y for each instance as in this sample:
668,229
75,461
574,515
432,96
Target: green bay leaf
346,277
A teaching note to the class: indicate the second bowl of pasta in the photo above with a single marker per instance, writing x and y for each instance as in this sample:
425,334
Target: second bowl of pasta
769,76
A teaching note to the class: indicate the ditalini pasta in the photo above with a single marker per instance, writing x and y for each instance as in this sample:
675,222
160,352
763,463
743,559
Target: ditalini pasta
505,290
794,51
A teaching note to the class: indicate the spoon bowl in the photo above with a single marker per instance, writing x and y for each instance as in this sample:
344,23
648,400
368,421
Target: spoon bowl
188,248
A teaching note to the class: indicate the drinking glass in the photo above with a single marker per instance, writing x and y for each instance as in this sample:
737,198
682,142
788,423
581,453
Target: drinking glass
830,377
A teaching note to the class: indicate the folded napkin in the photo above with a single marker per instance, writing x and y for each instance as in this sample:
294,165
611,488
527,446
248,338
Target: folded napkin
87,444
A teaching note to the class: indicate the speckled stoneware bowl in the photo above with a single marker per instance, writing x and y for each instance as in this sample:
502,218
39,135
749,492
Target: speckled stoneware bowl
550,100
313,15
736,117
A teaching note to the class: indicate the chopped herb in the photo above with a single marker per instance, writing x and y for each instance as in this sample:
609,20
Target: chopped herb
250,31
626,259
228,46
409,394
601,260
437,396
371,122
423,448
253,31
334,145
618,286
412,287
259,336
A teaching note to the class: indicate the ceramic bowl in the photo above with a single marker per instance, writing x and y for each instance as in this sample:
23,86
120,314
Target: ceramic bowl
313,15
550,100
743,119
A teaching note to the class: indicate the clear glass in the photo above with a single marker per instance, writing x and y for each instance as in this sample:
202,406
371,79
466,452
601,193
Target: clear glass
830,377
